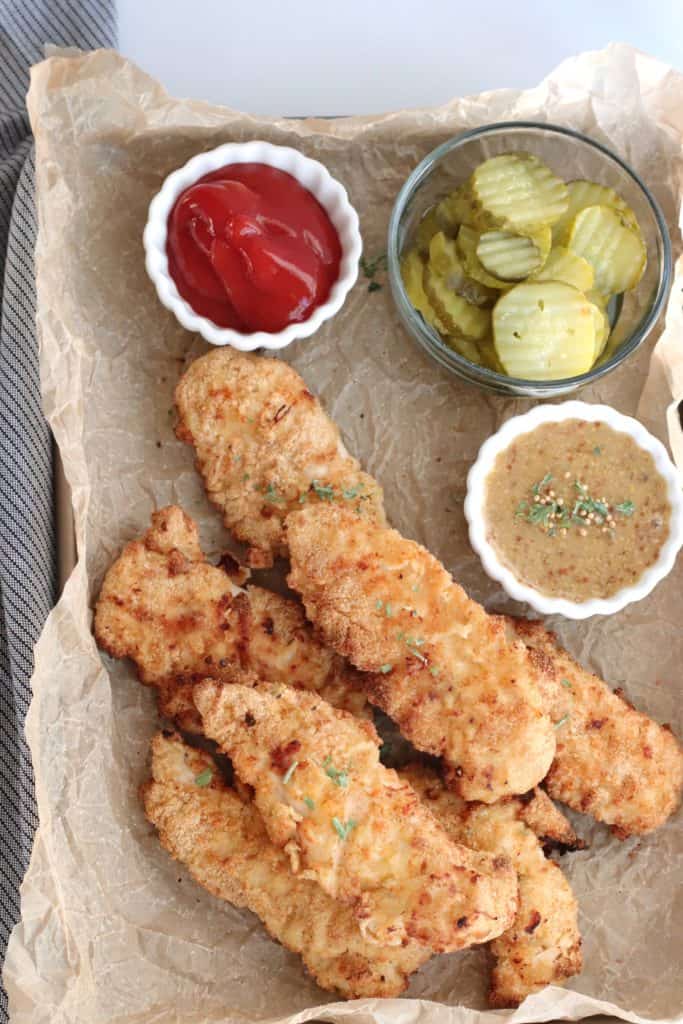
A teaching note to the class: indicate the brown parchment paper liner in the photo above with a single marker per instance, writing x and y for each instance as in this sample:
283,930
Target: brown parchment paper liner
112,930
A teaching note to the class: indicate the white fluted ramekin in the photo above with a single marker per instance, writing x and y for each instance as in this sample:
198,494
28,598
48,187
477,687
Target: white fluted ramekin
312,175
475,504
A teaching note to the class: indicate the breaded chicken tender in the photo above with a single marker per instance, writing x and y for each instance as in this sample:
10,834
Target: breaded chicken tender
350,824
543,945
612,761
181,619
447,672
264,445
221,839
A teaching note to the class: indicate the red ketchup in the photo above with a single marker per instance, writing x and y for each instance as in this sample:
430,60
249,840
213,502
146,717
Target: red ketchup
252,249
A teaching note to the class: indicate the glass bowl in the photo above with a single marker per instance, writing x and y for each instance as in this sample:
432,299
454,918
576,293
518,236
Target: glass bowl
570,155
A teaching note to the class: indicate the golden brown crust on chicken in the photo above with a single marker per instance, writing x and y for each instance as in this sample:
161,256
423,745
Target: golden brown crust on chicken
443,669
264,444
222,841
350,824
612,761
543,945
181,619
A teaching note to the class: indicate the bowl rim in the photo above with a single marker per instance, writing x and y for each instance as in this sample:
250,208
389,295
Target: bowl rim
453,361
555,413
312,175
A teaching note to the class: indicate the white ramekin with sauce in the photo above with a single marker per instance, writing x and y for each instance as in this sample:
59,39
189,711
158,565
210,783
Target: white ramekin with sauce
314,179
559,542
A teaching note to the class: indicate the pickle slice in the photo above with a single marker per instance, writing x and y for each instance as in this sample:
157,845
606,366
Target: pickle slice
456,208
544,330
489,356
426,229
602,329
464,347
616,252
518,192
412,270
511,257
589,193
459,316
445,261
466,242
596,297
564,265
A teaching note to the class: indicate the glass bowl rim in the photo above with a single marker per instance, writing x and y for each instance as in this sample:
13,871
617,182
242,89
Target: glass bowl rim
453,360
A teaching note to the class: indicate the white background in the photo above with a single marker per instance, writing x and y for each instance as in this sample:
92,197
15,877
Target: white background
364,56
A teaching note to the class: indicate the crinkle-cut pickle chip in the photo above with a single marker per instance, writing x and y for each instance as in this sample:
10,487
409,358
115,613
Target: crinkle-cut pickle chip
544,330
445,261
412,271
456,208
426,229
589,193
602,329
617,253
465,347
596,297
518,192
564,265
466,242
511,257
459,316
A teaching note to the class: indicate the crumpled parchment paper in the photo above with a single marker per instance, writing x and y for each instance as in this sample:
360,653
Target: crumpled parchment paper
112,929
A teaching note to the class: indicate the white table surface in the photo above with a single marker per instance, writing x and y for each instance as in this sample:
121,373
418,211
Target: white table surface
365,56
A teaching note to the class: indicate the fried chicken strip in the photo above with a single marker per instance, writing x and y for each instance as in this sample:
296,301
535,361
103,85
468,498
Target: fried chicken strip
350,824
543,945
181,619
223,843
263,445
612,761
447,672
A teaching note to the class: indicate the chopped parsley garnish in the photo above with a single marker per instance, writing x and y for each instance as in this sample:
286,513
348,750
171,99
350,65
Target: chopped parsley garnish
374,286
343,828
385,668
538,487
290,771
340,777
379,605
324,491
388,610
554,514
435,671
561,721
309,803
566,683
349,493
370,267
597,450
271,494
204,778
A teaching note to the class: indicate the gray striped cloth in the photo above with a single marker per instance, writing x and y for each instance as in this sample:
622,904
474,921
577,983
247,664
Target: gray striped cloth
27,538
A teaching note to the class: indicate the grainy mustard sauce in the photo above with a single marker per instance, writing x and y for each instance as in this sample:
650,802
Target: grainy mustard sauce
576,509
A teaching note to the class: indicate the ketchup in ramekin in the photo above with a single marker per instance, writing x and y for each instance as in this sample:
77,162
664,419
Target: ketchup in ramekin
251,249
